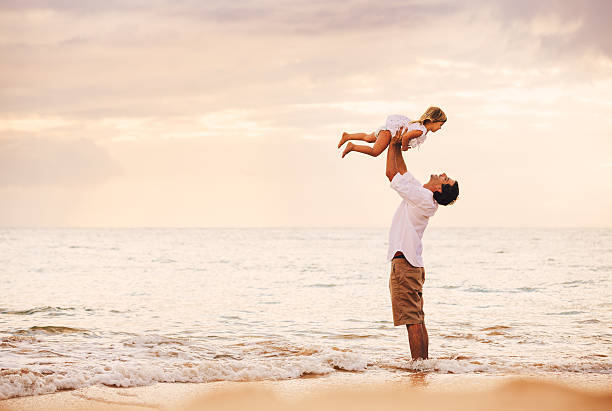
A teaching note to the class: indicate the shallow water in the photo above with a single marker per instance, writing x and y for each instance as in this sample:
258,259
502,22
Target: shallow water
132,307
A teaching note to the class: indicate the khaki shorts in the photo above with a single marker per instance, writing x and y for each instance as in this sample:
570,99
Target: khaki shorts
406,286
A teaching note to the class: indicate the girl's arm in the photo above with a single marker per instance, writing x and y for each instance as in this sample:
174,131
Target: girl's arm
406,137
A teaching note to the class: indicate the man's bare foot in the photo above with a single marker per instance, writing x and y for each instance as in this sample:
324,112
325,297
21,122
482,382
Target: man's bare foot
343,140
348,149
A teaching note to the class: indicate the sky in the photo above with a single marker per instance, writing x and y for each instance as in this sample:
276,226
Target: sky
168,113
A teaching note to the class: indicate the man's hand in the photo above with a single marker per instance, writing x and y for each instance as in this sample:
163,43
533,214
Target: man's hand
397,138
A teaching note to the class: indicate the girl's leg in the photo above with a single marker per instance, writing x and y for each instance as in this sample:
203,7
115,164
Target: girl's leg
382,142
370,138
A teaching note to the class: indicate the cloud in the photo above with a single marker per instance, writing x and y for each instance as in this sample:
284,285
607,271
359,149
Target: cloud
565,27
84,6
96,59
169,88
307,16
34,161
548,21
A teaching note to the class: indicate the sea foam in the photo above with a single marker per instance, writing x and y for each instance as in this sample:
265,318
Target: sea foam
22,382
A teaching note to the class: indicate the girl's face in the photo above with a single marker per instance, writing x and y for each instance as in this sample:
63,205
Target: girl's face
436,125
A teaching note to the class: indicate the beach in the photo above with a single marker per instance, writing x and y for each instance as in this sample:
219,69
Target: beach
354,391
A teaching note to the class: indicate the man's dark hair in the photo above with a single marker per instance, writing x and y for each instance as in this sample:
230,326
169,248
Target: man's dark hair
448,195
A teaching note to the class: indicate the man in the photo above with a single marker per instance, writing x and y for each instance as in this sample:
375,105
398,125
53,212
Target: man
420,202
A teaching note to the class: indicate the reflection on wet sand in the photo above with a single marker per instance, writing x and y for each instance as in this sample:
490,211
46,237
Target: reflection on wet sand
416,380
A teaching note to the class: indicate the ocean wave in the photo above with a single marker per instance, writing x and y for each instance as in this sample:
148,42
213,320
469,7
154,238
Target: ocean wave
12,341
496,328
589,321
351,336
445,366
465,365
23,382
321,285
153,340
35,310
588,367
290,362
567,313
481,290
526,290
575,282
53,329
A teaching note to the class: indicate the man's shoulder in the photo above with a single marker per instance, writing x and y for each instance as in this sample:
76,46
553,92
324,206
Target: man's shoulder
406,178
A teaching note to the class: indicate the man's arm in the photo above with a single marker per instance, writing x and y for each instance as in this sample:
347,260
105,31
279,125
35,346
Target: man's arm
391,170
394,146
400,165
395,165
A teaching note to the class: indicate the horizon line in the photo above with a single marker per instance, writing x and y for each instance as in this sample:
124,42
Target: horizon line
287,227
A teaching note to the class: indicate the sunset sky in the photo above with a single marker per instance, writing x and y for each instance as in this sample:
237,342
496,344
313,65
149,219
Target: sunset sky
227,114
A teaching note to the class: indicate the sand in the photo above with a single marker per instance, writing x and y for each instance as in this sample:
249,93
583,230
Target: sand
342,391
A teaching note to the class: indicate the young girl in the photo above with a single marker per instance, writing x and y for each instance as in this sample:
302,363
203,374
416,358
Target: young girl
414,133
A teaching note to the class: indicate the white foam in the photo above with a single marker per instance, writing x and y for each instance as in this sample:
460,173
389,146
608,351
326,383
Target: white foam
27,382
446,366
582,367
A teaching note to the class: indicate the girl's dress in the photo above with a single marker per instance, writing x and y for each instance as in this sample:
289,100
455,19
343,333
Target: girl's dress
396,121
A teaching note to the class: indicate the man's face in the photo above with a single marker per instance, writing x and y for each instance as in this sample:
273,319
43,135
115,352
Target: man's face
446,179
438,180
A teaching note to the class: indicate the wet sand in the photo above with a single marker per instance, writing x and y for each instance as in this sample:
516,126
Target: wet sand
347,390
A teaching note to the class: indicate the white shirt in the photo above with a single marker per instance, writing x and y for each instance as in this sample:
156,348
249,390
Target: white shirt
411,218
395,121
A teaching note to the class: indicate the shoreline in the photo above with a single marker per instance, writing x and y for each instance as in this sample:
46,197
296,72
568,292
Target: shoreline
336,390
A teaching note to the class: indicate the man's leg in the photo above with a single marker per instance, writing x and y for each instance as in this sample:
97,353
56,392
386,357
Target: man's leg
419,341
426,341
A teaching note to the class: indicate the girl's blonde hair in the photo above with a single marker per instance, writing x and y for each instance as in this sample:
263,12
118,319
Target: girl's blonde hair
432,114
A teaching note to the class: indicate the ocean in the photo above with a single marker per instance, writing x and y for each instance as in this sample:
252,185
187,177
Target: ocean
132,307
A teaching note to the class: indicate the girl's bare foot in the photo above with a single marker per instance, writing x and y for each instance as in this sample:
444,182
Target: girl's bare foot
343,139
348,149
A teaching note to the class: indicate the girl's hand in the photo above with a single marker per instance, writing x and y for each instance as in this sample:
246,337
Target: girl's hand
407,136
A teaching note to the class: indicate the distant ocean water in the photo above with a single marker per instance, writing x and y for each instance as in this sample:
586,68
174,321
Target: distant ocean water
128,307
